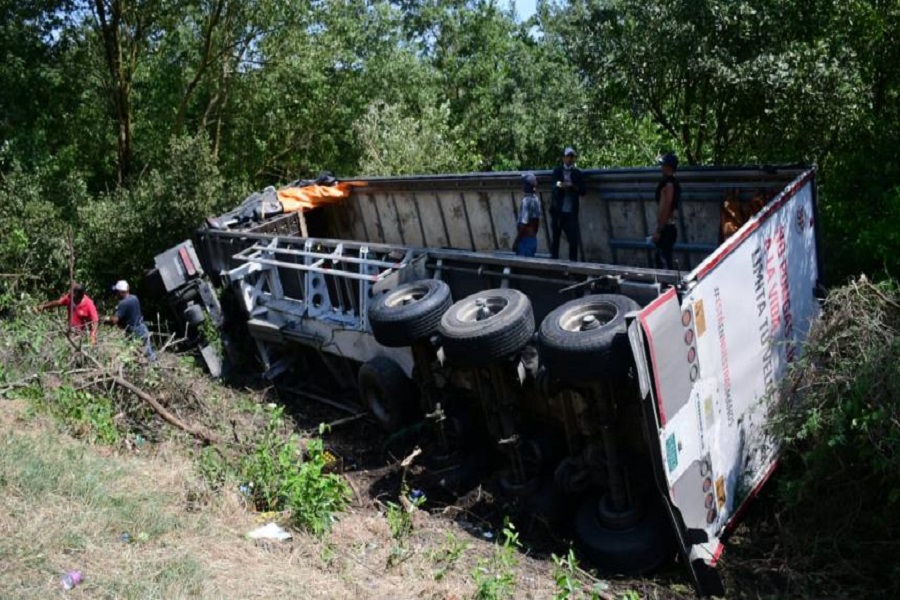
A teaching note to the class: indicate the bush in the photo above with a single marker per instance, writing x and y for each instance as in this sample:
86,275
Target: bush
33,247
121,232
841,428
279,476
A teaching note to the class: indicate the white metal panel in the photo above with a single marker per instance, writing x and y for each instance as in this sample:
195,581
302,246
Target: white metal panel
478,215
594,226
504,212
409,220
718,353
456,219
436,235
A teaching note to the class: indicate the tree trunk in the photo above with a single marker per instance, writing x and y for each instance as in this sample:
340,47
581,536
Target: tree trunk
116,41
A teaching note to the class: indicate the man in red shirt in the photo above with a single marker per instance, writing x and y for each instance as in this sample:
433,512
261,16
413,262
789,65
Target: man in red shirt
82,313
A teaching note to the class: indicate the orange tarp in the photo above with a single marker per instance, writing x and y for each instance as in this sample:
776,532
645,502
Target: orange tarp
295,199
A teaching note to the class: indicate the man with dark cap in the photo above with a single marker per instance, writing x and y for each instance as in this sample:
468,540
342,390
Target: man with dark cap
82,312
529,221
568,187
668,194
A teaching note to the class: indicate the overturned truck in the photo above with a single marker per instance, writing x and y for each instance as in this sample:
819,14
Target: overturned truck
627,403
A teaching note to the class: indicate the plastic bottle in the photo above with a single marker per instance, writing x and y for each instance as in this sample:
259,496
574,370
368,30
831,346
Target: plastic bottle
71,579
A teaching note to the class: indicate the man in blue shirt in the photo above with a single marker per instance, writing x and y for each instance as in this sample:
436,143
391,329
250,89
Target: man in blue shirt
128,316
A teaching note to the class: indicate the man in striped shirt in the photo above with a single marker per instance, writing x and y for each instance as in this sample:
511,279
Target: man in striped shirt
529,218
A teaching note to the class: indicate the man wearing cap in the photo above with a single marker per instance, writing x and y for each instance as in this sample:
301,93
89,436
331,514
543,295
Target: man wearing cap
128,316
568,187
529,218
668,194
82,312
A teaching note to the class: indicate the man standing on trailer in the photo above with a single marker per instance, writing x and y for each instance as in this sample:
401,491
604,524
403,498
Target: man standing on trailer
668,194
529,222
568,187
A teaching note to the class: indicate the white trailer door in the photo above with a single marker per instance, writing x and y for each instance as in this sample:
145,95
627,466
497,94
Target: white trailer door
711,356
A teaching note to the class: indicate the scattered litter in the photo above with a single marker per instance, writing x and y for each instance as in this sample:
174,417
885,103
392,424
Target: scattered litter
267,516
487,535
71,579
125,537
416,494
271,531
244,489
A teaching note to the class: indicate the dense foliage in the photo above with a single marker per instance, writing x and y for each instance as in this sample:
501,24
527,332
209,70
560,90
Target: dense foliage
128,120
842,428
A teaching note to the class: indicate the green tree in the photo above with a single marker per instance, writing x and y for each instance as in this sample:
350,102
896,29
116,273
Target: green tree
120,232
516,100
724,80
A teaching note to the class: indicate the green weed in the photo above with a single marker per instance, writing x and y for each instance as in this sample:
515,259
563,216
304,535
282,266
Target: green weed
495,577
84,414
570,580
280,477
839,422
399,515
447,556
564,573
212,336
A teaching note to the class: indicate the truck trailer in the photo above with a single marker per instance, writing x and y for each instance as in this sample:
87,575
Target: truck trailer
628,403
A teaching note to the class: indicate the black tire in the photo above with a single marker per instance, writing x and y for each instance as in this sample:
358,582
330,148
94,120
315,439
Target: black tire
505,326
637,549
585,339
511,488
409,312
387,392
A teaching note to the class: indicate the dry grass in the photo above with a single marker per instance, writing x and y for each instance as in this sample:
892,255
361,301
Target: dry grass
65,501
64,505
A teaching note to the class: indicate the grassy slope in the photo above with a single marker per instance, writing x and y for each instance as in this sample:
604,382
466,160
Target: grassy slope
64,505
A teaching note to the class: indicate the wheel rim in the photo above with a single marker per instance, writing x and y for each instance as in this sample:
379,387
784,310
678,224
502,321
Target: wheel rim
587,317
483,309
405,297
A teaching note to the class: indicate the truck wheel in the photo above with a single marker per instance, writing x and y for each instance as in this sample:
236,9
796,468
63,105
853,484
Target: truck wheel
387,392
409,312
584,339
194,314
631,547
486,326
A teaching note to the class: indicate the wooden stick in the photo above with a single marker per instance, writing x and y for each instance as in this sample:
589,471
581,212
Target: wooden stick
71,246
346,420
198,433
18,384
